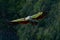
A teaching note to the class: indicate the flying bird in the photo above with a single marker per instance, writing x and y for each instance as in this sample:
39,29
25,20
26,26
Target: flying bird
30,19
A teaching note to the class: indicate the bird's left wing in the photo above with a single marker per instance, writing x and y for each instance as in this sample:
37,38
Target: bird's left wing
20,21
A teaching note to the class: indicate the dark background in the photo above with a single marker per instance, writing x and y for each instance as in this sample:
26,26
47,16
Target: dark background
47,29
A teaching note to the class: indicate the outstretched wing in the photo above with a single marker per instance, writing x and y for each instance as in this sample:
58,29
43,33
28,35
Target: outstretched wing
39,15
20,21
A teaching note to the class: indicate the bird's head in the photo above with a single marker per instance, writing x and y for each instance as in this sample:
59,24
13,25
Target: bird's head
28,18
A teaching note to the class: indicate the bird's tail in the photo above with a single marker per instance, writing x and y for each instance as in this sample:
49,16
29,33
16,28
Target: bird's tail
34,22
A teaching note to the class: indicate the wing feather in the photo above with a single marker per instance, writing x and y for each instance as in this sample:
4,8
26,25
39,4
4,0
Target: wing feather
20,21
39,15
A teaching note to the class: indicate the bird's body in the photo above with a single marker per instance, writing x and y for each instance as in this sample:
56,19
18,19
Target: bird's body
29,19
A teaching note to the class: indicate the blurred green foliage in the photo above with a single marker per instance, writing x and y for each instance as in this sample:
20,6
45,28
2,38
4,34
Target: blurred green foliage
47,29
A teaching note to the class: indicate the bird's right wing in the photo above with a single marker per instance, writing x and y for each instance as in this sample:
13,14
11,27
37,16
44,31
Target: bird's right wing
39,15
